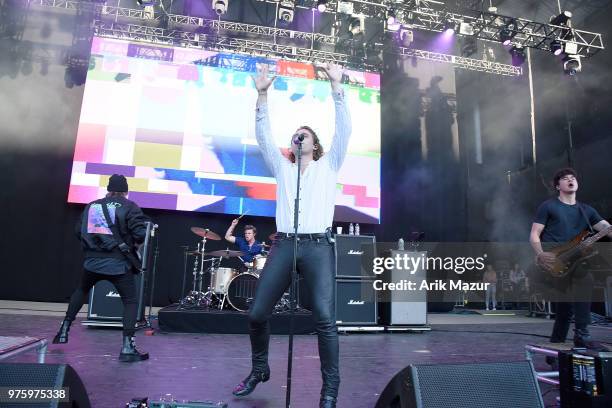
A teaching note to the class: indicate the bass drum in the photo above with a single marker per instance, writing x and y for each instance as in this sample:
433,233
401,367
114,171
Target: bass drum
241,291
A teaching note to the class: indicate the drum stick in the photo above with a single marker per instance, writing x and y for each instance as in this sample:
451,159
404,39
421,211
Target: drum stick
245,213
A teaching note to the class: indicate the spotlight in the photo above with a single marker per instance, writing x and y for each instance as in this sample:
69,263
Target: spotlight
406,37
356,25
450,26
286,9
556,47
220,6
391,17
507,34
518,55
572,65
145,3
321,5
562,19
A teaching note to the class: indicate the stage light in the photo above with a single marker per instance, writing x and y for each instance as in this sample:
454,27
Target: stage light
507,34
220,6
450,26
562,19
391,17
556,47
518,55
406,37
286,10
572,65
322,5
145,3
356,25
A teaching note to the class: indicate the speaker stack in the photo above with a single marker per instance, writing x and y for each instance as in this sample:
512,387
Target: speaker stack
356,301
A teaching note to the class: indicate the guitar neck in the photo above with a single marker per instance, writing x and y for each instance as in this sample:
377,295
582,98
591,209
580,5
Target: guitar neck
592,239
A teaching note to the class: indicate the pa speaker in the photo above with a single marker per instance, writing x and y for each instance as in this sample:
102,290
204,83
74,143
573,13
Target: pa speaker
480,385
44,376
351,251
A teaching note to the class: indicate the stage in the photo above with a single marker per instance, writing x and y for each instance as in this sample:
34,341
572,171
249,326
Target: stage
207,366
174,319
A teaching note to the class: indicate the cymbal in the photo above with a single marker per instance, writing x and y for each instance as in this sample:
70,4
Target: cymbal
196,253
205,233
226,253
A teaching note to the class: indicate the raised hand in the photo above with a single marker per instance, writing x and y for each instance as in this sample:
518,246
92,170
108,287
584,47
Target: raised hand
261,80
334,72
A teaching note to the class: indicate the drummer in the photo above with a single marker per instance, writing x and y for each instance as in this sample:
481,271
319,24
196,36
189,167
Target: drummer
248,244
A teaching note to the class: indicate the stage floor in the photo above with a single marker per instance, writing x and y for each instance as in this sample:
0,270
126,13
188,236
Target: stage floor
206,366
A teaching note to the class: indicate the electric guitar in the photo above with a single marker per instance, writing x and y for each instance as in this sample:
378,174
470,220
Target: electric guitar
568,255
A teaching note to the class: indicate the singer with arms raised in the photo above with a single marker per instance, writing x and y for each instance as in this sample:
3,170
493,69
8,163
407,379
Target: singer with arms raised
315,256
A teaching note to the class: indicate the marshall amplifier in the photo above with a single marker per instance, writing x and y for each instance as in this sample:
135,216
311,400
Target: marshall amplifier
355,302
351,252
105,302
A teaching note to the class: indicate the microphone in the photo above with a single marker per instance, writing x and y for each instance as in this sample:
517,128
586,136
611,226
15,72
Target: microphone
298,138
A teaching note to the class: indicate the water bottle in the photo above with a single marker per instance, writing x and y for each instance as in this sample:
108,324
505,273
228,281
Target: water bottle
400,244
351,229
357,229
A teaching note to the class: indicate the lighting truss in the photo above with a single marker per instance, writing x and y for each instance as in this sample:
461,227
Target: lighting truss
211,34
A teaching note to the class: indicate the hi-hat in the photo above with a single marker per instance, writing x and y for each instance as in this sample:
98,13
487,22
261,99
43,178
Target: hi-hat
225,253
206,233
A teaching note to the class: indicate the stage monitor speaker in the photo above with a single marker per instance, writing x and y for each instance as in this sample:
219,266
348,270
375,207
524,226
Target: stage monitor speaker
355,302
469,385
350,250
105,302
47,376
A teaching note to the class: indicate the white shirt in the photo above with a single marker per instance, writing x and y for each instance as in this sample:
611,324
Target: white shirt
318,182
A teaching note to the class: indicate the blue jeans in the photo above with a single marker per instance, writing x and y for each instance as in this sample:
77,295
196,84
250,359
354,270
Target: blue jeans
315,262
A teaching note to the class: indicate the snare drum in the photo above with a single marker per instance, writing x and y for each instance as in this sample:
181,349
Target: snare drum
220,278
259,261
241,291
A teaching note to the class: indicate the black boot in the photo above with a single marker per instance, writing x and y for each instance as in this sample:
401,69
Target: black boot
248,385
129,353
582,339
62,335
327,402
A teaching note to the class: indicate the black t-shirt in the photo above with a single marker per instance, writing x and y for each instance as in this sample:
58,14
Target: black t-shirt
562,222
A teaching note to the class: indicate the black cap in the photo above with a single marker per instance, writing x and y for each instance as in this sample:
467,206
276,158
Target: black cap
117,183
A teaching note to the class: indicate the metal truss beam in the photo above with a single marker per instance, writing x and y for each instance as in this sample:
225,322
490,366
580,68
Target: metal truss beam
198,32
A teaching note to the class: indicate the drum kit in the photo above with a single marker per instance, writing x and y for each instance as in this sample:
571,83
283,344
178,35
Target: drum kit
226,287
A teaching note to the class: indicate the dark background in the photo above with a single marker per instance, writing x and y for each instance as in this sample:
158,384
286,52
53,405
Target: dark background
41,89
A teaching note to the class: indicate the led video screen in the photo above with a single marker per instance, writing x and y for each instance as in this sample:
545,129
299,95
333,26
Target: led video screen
179,123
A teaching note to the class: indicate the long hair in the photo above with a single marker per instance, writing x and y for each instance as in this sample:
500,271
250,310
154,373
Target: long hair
316,154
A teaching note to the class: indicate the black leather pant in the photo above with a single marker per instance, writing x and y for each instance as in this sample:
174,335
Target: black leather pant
315,262
126,286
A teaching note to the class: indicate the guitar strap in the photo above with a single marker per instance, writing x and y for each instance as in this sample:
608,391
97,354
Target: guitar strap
123,247
586,218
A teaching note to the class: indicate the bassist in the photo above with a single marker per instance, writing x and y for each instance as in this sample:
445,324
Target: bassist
558,220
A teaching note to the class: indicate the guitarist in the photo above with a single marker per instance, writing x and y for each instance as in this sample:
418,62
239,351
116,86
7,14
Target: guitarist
557,221
105,261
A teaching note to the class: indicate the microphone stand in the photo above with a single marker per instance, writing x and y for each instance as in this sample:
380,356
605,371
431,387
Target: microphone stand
293,287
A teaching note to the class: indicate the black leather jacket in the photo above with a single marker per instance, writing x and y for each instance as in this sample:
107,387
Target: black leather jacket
97,239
